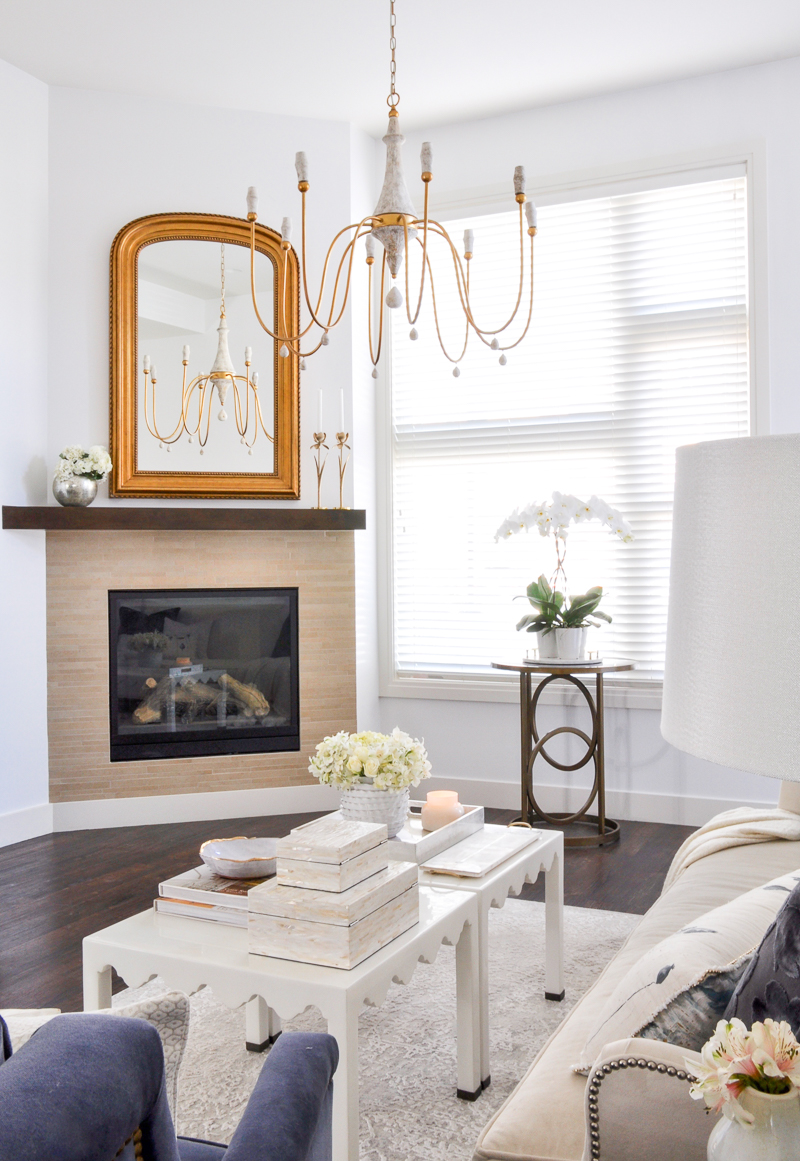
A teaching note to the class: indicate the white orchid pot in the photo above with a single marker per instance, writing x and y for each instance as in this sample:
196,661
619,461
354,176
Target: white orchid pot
562,644
363,802
774,1136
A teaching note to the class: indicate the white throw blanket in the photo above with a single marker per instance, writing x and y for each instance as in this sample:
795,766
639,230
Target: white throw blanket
733,828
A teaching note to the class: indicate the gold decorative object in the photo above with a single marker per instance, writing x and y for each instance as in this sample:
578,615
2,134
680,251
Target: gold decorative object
393,225
186,412
341,443
317,446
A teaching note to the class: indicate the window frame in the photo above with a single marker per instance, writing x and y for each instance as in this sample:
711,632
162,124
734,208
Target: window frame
628,691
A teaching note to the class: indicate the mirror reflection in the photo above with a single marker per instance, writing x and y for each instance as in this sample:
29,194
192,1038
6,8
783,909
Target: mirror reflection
205,391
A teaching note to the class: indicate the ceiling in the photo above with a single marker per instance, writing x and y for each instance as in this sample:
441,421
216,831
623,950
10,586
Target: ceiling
457,59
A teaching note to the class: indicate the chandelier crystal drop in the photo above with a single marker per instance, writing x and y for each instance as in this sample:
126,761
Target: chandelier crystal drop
197,396
388,233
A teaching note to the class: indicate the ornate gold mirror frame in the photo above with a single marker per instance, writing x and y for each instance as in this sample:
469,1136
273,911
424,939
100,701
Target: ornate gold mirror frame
127,478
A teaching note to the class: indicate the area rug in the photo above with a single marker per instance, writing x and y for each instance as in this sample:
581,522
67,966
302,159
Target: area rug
407,1047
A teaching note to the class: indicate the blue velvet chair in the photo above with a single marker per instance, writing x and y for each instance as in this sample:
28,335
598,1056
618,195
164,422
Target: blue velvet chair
90,1087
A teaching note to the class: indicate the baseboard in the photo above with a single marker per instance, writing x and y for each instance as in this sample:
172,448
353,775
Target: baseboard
109,812
639,806
19,825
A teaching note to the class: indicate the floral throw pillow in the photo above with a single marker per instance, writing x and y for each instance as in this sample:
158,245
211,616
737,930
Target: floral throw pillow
709,945
771,986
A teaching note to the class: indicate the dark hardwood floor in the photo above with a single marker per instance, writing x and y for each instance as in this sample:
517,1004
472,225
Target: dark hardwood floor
59,888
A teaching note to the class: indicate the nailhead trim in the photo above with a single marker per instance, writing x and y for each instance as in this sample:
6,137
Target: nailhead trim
606,1070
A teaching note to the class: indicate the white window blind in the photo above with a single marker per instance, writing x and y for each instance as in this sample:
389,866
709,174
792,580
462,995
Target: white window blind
639,344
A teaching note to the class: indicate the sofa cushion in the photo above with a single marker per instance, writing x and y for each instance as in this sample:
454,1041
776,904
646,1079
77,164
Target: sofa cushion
771,986
708,944
543,1118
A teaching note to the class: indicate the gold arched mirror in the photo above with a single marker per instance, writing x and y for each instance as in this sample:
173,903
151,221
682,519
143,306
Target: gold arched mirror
202,402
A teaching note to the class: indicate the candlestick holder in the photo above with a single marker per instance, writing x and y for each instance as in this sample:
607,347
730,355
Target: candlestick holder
341,443
317,446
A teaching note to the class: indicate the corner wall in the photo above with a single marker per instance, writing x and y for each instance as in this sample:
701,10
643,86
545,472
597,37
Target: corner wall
24,809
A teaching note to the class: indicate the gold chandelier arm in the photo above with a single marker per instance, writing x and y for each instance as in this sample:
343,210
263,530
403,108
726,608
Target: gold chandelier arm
436,322
424,245
261,421
201,440
197,384
461,282
376,357
511,346
351,249
179,426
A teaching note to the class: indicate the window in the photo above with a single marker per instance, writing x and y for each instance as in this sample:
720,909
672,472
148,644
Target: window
639,343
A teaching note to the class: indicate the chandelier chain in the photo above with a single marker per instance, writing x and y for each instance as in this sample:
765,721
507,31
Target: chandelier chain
222,278
393,100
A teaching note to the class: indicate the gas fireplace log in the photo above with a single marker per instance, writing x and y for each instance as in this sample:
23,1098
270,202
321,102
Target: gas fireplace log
150,710
256,705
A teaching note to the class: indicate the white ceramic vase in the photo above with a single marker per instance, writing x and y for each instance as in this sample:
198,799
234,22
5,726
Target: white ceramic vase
562,644
364,802
775,1135
76,492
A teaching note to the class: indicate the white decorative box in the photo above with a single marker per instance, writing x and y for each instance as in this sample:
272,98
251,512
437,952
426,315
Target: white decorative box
331,854
417,845
332,930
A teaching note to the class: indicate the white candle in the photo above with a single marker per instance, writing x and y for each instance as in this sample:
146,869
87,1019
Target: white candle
319,412
441,807
341,409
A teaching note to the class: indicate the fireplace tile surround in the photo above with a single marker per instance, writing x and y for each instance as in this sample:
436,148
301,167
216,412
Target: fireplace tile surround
81,569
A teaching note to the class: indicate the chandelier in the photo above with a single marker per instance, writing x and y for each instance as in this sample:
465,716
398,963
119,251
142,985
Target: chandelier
388,232
197,396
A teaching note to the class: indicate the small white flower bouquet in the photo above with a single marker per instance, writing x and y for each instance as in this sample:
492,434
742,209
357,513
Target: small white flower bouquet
766,1058
391,761
95,463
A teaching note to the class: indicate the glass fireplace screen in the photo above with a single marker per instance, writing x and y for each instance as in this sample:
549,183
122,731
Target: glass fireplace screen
196,672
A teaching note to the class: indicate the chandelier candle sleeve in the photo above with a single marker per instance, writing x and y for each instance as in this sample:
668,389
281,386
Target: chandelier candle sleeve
252,200
519,179
531,214
469,243
301,166
426,159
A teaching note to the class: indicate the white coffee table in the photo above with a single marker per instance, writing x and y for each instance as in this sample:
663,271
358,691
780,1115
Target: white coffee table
492,889
190,953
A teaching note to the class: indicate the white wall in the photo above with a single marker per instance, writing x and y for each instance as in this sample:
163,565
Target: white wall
115,158
748,107
23,471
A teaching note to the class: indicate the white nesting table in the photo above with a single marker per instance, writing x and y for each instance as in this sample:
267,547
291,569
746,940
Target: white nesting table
190,953
546,854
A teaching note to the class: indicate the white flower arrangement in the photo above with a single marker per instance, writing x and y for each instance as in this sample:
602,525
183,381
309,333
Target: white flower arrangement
392,761
95,463
553,517
766,1058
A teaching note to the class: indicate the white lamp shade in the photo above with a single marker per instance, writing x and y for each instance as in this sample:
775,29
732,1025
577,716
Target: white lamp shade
732,673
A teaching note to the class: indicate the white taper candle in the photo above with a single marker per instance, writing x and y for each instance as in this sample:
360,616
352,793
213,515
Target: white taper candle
341,409
319,411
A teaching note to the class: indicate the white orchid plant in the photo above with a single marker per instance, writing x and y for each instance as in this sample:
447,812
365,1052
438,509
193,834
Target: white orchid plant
766,1058
552,608
391,761
95,463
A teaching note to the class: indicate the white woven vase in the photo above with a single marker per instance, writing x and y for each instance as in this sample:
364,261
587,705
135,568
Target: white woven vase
366,803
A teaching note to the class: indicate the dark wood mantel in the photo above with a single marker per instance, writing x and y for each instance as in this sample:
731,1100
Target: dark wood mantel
128,519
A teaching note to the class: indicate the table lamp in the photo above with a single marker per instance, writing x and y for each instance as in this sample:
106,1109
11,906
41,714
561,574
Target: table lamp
731,684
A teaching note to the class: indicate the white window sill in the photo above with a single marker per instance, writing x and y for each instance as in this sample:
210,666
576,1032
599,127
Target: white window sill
622,691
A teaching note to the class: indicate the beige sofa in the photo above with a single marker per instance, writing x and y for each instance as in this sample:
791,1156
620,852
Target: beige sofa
636,1103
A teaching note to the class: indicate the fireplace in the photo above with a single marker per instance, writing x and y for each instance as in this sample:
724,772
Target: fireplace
196,672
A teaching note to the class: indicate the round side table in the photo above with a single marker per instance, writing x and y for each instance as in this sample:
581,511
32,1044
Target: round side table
600,830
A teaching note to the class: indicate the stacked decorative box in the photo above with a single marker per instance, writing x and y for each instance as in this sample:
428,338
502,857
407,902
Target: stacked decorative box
336,898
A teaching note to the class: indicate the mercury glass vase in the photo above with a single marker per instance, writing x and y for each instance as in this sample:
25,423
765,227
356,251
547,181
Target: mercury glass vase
363,802
76,492
774,1135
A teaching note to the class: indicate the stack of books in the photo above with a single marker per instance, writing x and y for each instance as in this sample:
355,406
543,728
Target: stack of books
336,899
201,894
